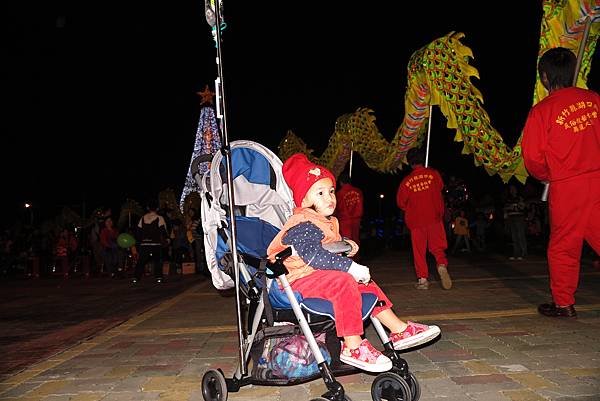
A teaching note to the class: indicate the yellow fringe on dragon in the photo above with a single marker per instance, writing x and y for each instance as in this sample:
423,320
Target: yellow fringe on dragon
439,74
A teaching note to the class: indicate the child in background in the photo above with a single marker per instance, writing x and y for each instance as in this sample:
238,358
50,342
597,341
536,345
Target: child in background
110,248
461,231
317,273
66,246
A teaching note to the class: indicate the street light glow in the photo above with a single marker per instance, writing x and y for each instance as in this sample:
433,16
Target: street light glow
381,196
27,205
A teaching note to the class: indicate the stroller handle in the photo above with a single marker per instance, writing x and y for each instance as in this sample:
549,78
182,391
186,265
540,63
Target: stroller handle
342,247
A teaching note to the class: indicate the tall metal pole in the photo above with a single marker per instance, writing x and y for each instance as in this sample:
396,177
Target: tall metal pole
226,150
580,52
351,159
428,136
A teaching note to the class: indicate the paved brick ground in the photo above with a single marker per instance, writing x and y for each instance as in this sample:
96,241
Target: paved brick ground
494,346
39,318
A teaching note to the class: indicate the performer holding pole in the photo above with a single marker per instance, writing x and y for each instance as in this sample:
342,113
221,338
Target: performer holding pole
561,145
586,34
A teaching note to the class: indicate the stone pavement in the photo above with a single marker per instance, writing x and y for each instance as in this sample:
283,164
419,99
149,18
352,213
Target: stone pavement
494,346
39,318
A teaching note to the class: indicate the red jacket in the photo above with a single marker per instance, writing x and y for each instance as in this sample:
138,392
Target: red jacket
349,203
561,138
420,196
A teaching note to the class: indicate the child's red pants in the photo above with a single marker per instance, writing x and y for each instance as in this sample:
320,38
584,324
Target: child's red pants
342,290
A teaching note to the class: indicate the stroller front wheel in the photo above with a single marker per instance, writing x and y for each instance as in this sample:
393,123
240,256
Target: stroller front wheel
415,387
390,386
214,387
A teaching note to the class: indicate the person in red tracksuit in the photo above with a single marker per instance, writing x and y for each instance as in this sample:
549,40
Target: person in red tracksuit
349,210
561,146
420,196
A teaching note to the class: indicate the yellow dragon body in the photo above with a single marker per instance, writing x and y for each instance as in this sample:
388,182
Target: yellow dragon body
439,74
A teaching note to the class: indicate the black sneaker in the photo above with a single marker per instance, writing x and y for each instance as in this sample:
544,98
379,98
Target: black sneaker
551,310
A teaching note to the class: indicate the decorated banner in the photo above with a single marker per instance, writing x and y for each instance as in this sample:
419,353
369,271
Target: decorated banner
439,74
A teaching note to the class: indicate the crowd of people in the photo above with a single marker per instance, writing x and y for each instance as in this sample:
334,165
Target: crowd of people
70,246
514,223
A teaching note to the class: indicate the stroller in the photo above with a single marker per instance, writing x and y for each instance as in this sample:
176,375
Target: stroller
284,339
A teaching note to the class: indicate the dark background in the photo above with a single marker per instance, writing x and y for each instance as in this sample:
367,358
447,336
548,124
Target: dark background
100,98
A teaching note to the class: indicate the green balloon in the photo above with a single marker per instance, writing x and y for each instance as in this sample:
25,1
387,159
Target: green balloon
125,240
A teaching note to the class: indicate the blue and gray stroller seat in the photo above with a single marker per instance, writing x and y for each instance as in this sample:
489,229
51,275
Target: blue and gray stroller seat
253,239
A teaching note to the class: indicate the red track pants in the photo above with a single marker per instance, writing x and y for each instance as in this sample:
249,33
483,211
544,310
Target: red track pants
342,290
432,237
574,217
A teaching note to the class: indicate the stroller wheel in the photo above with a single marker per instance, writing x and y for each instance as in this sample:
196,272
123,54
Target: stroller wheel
415,387
214,387
390,386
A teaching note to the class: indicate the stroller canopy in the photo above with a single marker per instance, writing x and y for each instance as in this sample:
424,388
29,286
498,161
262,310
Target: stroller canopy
260,193
259,188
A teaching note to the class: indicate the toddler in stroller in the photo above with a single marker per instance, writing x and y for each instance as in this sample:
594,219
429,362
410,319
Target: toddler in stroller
317,273
287,289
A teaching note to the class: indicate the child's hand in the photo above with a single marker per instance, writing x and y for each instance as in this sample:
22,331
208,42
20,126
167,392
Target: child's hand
354,246
360,273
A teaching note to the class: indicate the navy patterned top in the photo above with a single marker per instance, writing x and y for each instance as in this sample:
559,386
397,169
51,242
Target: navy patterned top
306,239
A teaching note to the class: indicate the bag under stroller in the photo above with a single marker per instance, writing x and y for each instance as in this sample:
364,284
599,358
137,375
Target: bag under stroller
284,339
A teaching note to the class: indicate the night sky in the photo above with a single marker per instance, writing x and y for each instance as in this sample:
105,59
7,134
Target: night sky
102,100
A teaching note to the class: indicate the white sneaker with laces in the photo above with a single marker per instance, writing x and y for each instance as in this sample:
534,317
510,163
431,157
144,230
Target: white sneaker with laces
415,334
365,357
422,284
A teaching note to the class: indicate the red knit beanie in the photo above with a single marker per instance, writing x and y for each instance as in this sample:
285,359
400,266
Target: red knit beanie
300,174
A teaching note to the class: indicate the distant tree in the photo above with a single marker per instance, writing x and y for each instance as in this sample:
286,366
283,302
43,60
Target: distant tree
168,205
68,218
130,212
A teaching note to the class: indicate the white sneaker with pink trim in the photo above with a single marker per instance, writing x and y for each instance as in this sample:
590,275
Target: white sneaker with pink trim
365,357
414,334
